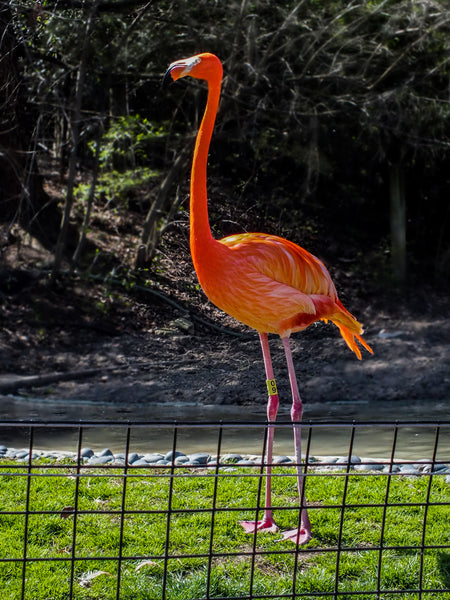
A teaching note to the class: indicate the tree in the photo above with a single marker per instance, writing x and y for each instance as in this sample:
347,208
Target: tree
370,77
22,198
328,108
75,123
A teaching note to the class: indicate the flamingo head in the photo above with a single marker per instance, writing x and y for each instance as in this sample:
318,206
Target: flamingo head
201,66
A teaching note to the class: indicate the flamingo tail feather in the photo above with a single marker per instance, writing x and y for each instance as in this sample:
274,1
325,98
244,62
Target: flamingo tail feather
350,329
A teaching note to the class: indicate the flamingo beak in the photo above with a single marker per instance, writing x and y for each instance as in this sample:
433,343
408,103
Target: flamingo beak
179,68
167,79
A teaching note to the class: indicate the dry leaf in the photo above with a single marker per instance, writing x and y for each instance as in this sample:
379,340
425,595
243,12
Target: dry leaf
87,578
144,564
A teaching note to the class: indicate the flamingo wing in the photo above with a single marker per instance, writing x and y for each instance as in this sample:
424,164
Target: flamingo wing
265,281
278,287
282,261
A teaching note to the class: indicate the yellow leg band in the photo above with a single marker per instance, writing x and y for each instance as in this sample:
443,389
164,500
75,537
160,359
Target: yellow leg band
271,387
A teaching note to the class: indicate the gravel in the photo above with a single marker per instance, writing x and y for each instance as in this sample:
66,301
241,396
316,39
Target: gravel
106,456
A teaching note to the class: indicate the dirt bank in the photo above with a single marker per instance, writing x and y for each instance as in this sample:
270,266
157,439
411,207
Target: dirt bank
144,349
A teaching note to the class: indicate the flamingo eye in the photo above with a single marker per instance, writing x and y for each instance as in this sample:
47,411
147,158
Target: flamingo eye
191,63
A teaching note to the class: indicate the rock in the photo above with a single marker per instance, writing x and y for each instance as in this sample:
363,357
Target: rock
153,458
441,468
367,466
100,460
330,460
280,460
86,453
436,468
133,457
343,460
409,470
51,455
22,454
389,469
184,324
141,462
171,455
231,458
245,462
106,452
200,457
386,335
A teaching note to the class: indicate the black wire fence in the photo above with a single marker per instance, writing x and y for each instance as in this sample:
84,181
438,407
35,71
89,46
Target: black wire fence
131,524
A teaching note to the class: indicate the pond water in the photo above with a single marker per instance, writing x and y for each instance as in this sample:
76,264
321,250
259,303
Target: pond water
329,427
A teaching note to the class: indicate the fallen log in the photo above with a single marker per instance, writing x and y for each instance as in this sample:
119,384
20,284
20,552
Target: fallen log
13,383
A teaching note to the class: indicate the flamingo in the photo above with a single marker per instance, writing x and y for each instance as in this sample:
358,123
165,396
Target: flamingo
263,281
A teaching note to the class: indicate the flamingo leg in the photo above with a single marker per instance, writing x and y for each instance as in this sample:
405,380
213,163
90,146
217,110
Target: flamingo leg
301,535
267,523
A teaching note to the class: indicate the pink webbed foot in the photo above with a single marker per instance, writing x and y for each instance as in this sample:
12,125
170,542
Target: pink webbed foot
298,536
267,524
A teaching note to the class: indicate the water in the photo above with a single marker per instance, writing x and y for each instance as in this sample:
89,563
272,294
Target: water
415,438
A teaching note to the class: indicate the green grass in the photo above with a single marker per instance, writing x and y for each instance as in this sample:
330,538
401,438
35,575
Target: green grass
183,567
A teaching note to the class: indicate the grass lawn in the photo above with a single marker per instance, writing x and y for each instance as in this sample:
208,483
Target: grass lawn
101,535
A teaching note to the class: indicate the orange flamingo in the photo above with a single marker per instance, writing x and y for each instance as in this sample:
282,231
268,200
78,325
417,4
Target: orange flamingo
262,280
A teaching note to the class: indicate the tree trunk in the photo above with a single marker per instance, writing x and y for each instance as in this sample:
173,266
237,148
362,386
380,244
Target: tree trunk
90,199
398,223
75,130
149,237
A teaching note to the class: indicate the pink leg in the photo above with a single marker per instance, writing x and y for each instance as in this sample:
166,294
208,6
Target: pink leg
267,523
300,535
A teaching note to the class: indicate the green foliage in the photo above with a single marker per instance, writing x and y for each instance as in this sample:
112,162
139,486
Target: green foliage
116,186
125,150
128,141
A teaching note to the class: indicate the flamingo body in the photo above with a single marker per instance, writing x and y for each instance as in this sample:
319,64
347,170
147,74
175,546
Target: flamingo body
264,281
273,286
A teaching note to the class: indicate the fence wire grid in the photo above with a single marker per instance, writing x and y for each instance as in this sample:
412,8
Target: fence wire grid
122,526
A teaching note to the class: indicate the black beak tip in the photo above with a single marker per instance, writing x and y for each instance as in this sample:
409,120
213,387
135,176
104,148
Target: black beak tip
167,80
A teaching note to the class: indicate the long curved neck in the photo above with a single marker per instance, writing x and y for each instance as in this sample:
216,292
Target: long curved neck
200,231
